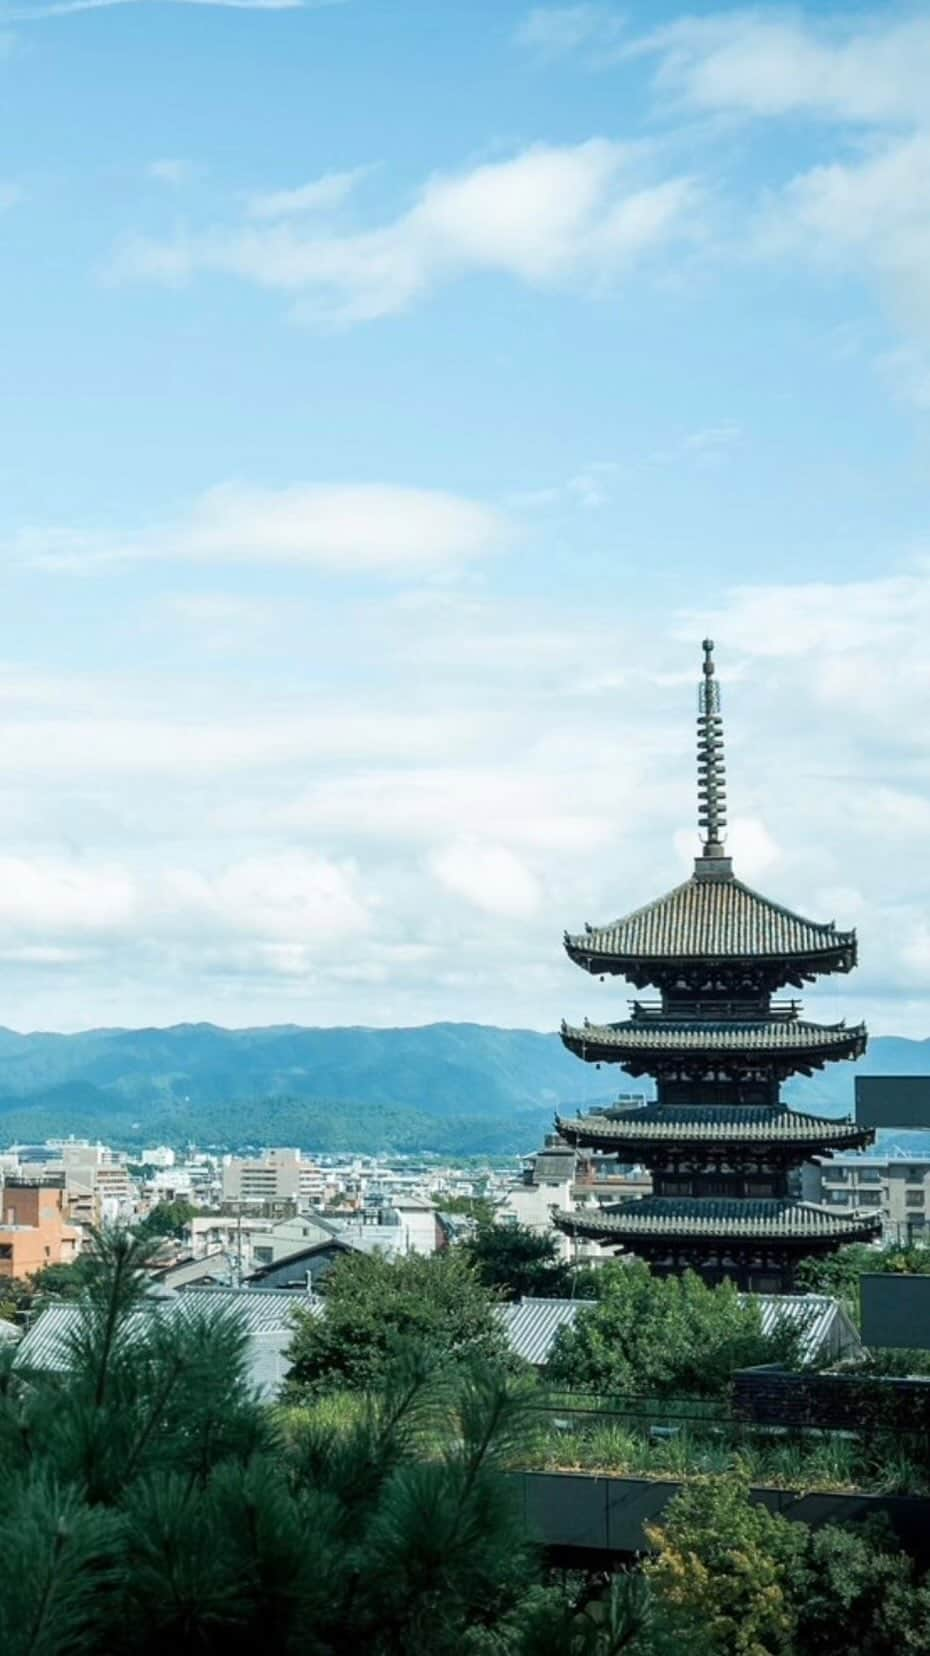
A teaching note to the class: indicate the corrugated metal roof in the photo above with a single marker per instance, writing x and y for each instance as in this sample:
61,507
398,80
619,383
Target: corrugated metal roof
266,1314
686,1217
533,1324
825,1327
716,918
689,1124
778,1035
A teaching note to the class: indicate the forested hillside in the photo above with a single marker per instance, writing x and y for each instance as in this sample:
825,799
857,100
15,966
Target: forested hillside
452,1088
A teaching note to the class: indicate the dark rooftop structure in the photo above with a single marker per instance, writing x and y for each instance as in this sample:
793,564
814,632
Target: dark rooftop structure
722,1147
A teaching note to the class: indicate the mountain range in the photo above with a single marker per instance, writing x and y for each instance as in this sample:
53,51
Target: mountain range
450,1088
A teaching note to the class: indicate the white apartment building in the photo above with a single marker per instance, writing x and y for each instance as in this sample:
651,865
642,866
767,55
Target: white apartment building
275,1176
898,1186
160,1156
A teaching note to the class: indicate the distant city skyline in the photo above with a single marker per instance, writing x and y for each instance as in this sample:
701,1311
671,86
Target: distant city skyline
394,398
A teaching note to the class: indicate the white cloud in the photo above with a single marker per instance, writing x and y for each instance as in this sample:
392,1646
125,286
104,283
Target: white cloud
65,8
579,214
872,214
292,900
172,171
767,63
254,854
553,31
137,745
320,195
866,211
490,877
58,897
343,529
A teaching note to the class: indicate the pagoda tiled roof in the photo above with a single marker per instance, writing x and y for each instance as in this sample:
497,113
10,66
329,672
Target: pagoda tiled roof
722,1220
778,1036
710,1124
716,919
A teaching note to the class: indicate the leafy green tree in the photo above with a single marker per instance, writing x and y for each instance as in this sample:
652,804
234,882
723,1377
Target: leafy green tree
514,1261
838,1273
374,1304
665,1335
859,1579
724,1573
728,1577
167,1219
65,1282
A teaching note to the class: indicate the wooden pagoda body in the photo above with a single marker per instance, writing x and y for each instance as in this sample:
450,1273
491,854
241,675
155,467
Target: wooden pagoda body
721,1146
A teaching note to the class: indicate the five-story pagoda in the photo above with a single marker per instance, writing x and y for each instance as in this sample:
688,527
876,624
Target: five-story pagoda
718,1141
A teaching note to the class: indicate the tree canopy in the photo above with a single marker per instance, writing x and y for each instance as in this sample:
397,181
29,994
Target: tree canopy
374,1304
167,1219
514,1261
664,1335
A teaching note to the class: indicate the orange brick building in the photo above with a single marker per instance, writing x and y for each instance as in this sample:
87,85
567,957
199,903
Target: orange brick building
33,1230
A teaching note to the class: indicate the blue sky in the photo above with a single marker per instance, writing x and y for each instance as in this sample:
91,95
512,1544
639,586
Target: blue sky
393,397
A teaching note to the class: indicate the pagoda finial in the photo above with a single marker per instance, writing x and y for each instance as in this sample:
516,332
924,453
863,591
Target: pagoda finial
712,781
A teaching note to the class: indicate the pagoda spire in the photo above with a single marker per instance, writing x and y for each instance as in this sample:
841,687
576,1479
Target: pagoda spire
713,863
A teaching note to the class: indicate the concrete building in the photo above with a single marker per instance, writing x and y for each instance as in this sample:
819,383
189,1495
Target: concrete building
34,1231
275,1176
896,1187
559,1178
97,1179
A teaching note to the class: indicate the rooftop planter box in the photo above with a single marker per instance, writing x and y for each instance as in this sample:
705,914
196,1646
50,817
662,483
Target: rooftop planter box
579,1514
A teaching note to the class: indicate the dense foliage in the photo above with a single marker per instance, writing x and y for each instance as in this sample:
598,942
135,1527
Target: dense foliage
838,1273
731,1578
513,1261
666,1336
152,1504
166,1219
373,1305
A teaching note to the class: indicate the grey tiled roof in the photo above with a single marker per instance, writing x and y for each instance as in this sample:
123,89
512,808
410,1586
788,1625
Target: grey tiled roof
689,1124
711,918
776,1035
724,1219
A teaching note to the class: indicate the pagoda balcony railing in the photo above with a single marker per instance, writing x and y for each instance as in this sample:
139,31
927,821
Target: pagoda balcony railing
711,1011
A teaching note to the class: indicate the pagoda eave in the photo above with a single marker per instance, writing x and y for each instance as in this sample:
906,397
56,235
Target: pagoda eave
642,970
657,1131
656,1221
785,1048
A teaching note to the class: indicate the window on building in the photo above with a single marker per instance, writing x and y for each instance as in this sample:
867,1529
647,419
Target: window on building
870,1175
914,1175
914,1198
6,1250
839,1198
